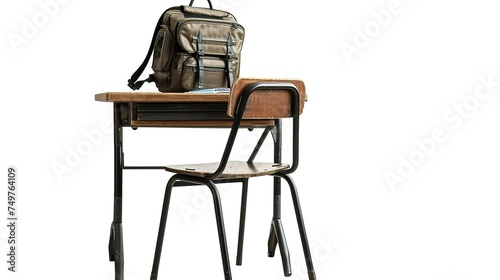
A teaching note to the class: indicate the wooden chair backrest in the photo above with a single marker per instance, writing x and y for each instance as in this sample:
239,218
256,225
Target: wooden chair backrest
265,104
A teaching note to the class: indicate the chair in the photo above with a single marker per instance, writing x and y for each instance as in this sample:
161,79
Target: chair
256,100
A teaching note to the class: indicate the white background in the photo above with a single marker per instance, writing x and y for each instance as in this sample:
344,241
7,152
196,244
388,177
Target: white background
412,65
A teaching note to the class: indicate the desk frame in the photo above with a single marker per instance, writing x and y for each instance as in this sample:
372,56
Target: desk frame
123,116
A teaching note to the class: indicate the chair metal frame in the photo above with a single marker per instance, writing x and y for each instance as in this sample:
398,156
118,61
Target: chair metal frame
276,235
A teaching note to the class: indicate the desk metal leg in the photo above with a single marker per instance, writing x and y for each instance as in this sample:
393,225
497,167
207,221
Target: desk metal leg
116,249
277,234
116,236
277,237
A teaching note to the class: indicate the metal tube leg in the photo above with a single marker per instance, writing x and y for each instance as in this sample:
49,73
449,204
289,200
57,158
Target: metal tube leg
277,233
116,249
221,230
285,255
161,231
277,236
302,228
272,242
116,236
218,216
241,234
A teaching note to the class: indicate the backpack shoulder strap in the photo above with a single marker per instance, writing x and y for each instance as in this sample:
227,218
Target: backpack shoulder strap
132,82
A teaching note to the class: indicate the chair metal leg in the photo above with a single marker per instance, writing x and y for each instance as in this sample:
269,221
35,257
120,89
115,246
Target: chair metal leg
244,194
221,230
218,216
301,225
161,231
241,234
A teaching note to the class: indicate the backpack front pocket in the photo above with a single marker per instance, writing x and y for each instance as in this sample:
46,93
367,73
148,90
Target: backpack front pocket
214,73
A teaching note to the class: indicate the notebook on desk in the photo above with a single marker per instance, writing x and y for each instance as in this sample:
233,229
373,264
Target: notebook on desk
211,90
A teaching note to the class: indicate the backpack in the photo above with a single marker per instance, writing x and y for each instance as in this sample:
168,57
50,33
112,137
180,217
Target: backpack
193,48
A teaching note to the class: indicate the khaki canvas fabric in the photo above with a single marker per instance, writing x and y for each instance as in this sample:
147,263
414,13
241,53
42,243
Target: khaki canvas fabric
194,48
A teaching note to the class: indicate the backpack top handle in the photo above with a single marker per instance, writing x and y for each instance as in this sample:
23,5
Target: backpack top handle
209,4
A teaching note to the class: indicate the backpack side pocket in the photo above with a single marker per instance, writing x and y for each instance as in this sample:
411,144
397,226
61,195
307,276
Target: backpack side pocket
163,49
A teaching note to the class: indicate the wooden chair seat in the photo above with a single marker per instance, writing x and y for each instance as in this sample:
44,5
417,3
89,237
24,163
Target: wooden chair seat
233,170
